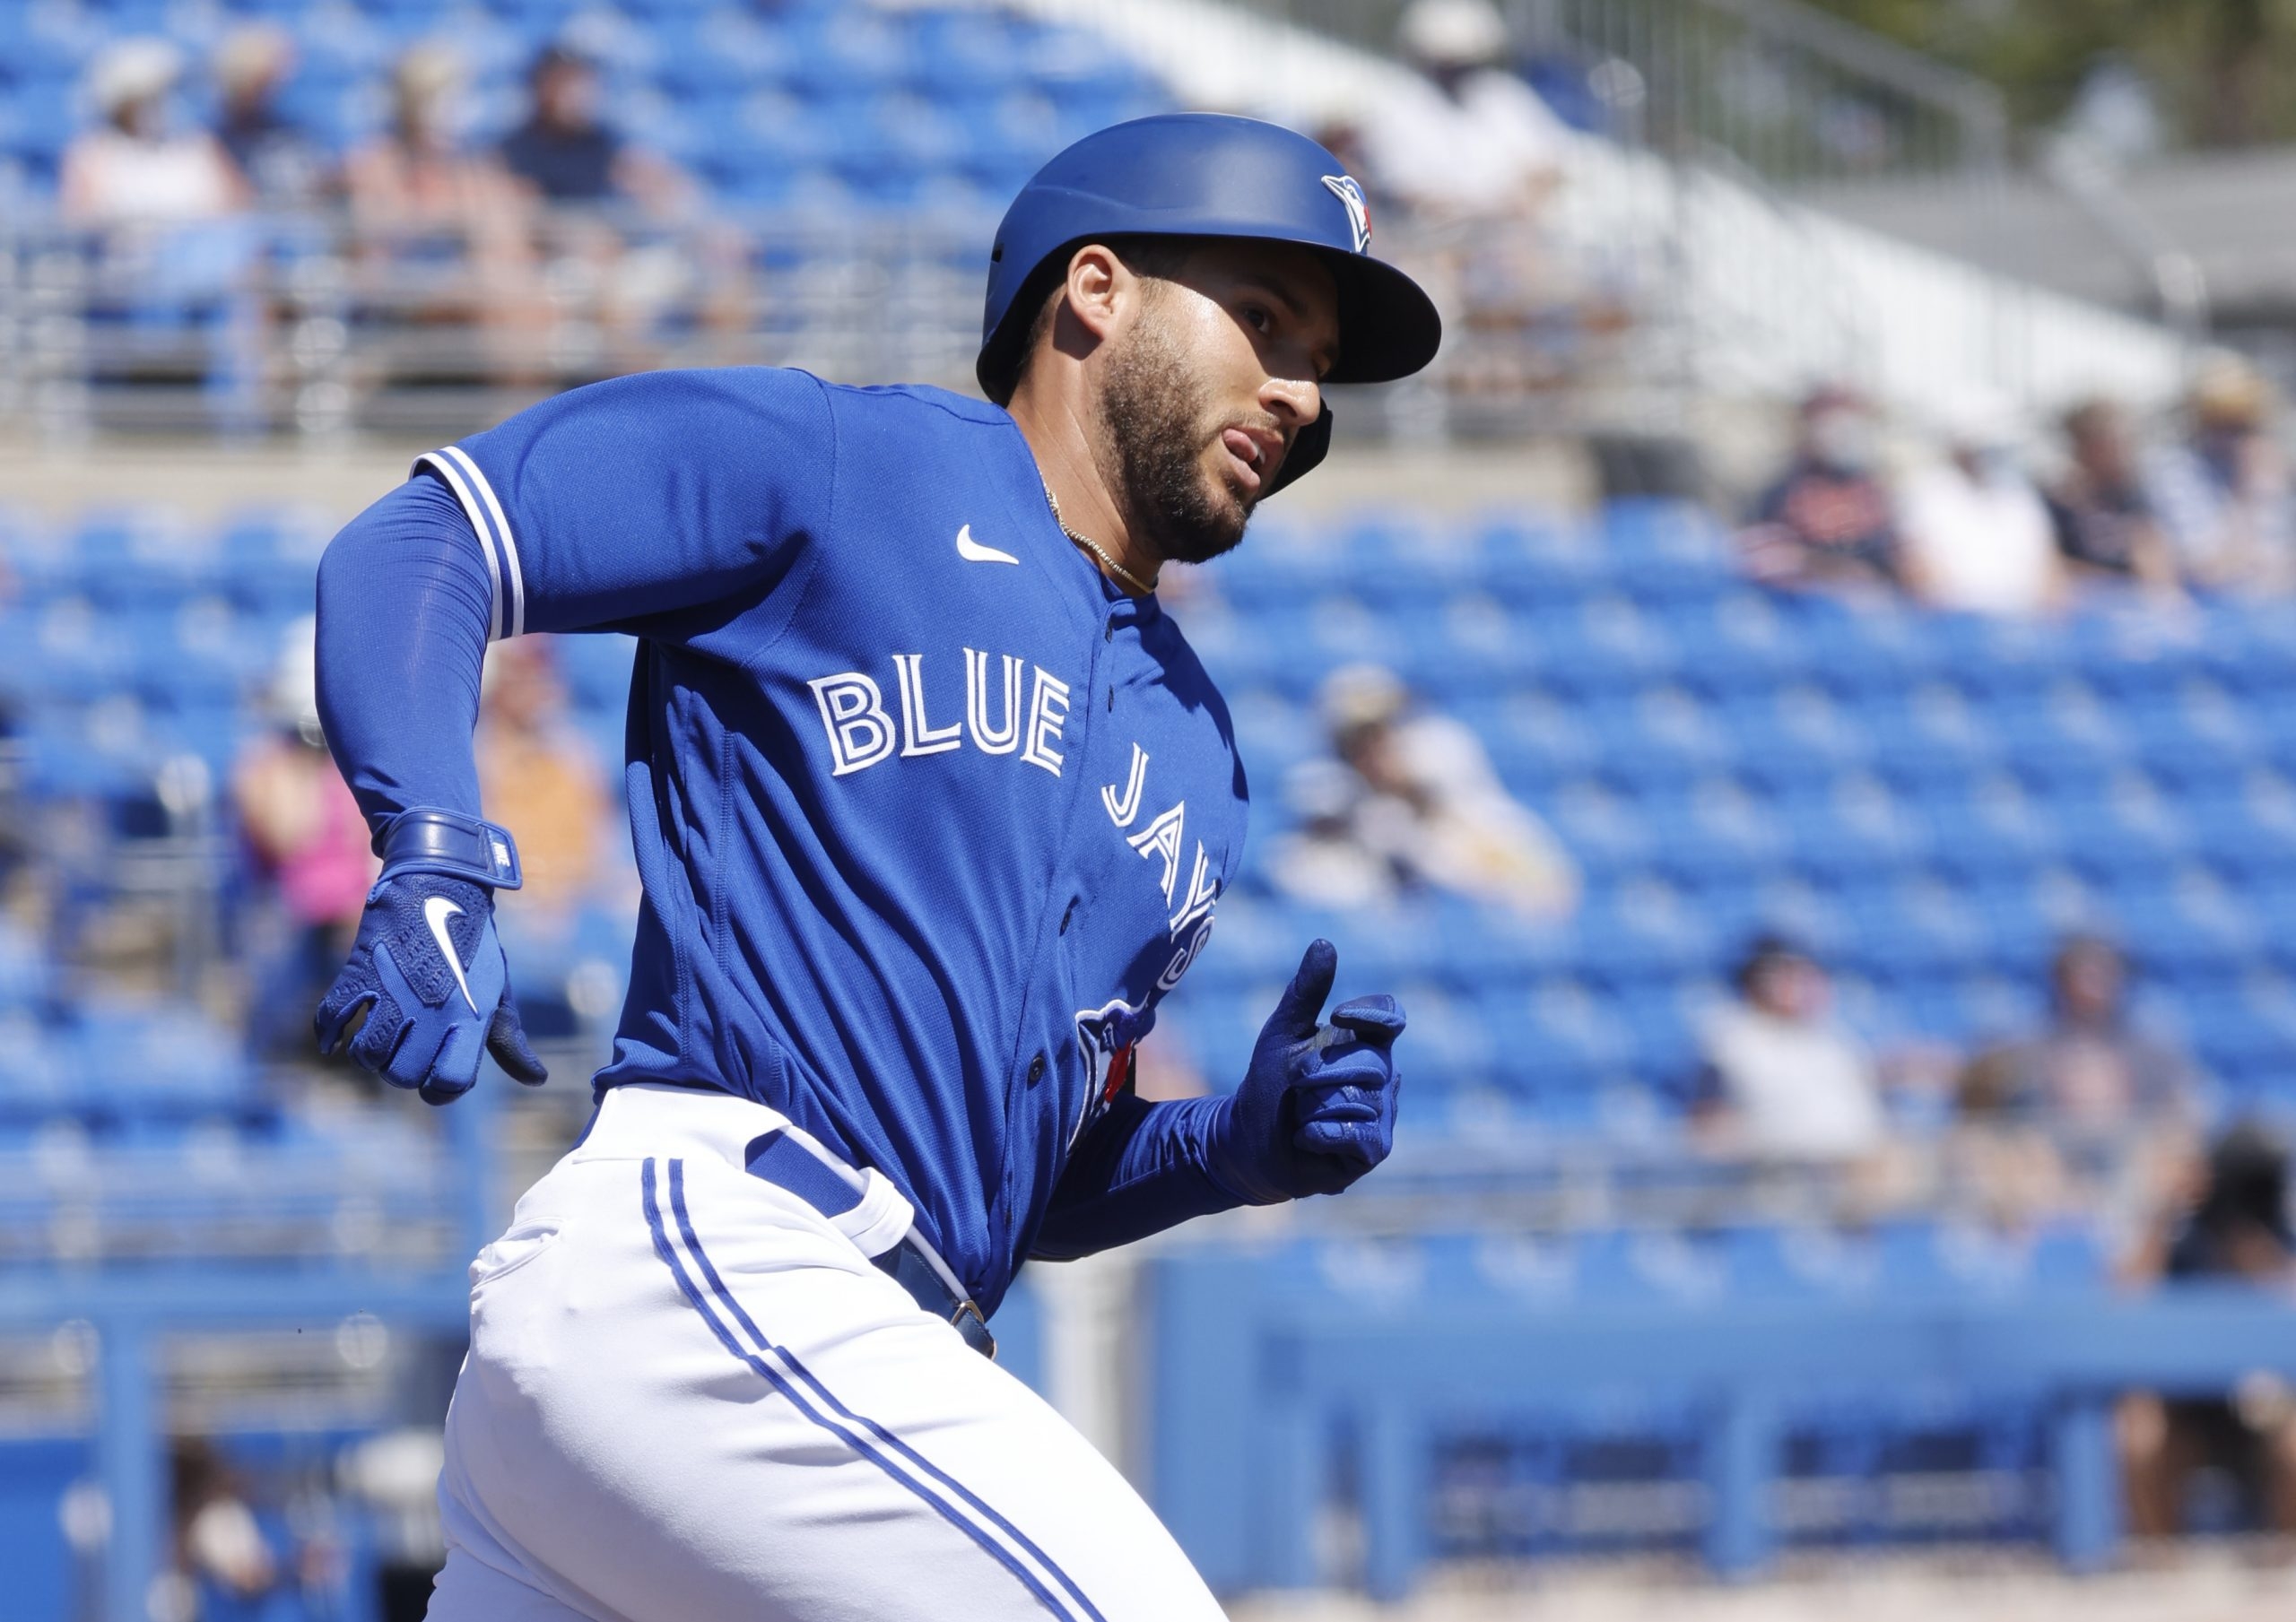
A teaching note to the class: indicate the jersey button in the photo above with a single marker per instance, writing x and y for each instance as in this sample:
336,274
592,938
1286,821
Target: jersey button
1108,631
1036,1070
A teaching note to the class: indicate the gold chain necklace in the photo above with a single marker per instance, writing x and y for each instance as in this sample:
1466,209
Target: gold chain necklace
1143,587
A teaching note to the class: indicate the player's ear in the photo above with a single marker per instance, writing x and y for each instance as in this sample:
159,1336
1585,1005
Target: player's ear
1099,283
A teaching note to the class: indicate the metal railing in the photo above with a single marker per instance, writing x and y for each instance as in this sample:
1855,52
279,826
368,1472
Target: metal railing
302,326
1792,92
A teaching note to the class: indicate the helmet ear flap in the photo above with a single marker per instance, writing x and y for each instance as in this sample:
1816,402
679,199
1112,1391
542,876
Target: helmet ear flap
1309,445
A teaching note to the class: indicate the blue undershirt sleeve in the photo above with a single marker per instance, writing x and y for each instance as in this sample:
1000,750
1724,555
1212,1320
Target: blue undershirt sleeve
403,600
1139,1171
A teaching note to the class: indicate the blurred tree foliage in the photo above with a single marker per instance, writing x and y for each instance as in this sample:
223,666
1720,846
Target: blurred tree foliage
2225,70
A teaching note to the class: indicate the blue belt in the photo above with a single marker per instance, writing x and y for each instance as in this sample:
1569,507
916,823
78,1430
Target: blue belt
915,1265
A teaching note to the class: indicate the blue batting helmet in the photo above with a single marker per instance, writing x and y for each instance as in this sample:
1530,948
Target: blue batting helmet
1208,175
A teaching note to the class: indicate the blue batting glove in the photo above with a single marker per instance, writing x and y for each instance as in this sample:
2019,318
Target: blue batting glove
429,975
1317,1108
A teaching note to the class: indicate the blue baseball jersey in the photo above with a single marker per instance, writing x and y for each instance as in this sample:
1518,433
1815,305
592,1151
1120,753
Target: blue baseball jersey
929,816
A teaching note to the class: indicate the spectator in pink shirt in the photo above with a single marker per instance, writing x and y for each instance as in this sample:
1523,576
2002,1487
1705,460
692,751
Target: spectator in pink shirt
307,844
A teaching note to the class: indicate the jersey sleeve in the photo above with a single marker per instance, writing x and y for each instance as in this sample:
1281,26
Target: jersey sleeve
620,505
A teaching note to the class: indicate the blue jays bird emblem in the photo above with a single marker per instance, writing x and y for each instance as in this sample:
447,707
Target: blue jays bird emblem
1106,1037
1350,191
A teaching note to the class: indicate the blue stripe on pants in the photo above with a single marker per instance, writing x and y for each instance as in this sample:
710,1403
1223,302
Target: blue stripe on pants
718,1287
860,1443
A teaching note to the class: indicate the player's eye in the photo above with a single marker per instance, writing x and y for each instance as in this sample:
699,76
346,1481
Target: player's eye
1260,320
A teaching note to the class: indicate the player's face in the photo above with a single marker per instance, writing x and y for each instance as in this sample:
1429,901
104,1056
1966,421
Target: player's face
1210,384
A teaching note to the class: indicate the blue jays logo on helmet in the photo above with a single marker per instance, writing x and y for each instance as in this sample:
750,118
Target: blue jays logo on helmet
1350,191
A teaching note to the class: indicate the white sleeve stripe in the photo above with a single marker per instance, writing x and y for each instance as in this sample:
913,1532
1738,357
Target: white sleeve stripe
501,529
477,517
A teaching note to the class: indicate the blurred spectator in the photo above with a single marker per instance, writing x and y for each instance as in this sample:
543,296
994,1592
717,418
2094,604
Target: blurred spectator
282,165
568,156
178,254
540,778
578,166
2116,113
442,232
309,848
2222,493
2091,1079
221,1548
1977,533
1781,1080
1470,139
1419,805
1473,155
1322,862
2103,516
2230,1225
1828,520
136,167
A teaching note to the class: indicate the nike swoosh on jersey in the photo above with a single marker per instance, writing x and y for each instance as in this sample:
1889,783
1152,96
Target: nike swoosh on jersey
973,551
435,911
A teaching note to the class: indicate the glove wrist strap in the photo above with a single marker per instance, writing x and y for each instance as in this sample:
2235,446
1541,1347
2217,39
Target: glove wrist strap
429,840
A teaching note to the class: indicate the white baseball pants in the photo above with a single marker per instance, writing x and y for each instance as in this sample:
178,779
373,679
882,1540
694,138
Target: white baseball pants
690,1398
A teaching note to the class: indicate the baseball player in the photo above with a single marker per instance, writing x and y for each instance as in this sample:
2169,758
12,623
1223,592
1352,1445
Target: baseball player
932,805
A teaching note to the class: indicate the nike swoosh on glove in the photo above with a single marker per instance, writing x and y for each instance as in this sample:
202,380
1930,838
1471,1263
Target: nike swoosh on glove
428,972
1317,1108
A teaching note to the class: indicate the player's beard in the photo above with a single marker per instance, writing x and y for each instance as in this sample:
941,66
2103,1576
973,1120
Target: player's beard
1156,421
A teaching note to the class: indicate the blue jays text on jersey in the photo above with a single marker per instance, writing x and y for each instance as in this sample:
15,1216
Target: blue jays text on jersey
927,814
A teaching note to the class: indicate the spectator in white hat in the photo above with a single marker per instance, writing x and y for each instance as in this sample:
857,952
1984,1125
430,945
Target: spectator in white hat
1414,804
1470,139
135,166
445,234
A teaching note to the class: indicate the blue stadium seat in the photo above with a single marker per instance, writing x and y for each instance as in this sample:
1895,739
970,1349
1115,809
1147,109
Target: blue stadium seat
1627,1265
848,50
2250,835
1736,642
169,1060
25,978
1537,743
1563,1023
1996,827
1818,1263
1862,650
1533,565
722,55
1454,1043
34,1075
1465,650
196,652
2197,739
1856,827
964,55
1798,737
595,669
1603,831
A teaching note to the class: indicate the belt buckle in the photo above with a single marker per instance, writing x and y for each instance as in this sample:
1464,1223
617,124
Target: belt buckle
973,1329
